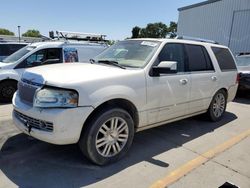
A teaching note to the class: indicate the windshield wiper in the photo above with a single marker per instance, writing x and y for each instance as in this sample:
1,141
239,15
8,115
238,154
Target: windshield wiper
114,63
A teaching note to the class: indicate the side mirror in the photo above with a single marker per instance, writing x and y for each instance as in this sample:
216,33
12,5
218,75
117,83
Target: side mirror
165,67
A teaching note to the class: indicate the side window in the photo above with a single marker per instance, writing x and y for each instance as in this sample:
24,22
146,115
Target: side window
224,58
43,57
35,59
14,47
173,52
198,58
54,55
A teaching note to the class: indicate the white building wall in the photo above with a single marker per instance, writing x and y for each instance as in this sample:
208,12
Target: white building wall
215,21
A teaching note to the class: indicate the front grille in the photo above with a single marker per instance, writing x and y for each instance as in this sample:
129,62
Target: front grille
34,123
26,91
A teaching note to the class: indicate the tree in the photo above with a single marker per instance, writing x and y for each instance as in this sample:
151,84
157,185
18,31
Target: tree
155,30
31,33
6,32
136,32
172,30
152,30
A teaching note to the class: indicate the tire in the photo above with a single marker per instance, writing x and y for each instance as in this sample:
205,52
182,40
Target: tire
103,143
7,90
217,106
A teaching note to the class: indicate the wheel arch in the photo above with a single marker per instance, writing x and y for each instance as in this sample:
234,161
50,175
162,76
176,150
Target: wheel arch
120,103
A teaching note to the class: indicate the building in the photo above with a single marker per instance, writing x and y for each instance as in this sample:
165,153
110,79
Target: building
224,21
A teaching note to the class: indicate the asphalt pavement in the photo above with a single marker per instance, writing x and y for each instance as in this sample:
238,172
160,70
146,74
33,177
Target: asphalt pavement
168,152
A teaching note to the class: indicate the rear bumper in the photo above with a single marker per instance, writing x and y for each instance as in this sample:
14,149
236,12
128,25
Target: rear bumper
67,122
232,90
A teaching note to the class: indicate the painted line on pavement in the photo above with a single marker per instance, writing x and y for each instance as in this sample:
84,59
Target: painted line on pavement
198,161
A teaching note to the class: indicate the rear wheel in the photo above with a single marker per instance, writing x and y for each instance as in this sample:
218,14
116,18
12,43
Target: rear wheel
7,90
108,136
218,106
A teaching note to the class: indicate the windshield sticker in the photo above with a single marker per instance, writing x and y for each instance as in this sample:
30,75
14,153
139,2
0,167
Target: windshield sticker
148,43
70,55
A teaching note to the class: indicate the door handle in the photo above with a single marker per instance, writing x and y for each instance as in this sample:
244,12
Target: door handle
183,81
214,78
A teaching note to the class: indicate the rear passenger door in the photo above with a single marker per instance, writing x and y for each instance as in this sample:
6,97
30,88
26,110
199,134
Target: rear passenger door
204,79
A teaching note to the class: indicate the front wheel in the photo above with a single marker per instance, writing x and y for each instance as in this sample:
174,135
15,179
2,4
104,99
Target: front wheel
7,90
218,106
108,136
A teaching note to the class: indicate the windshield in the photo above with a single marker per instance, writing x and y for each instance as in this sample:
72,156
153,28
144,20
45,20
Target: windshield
130,53
18,54
243,60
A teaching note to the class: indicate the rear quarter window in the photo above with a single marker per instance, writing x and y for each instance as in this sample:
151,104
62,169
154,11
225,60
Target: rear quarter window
224,59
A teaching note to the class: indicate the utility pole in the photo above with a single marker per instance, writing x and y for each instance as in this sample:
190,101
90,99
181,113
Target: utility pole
19,33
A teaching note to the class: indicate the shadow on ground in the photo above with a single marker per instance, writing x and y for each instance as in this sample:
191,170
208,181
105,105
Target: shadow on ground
31,163
243,99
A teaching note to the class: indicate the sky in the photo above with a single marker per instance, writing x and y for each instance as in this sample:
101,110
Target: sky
115,18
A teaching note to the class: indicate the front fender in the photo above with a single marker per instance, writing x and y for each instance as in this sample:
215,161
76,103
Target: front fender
114,92
9,74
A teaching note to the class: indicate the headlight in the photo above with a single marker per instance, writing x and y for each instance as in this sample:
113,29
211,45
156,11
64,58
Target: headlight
49,97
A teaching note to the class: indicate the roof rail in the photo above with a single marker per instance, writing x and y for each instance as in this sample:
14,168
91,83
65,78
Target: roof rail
68,35
196,39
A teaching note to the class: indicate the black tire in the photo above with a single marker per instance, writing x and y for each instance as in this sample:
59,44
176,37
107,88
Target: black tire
211,113
7,90
88,140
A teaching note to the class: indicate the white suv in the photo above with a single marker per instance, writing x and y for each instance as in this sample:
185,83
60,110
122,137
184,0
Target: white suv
131,86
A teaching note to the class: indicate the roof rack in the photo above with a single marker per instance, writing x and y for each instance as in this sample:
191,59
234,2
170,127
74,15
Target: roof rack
196,39
68,35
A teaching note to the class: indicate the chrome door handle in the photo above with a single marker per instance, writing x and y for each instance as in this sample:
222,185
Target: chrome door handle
183,81
214,78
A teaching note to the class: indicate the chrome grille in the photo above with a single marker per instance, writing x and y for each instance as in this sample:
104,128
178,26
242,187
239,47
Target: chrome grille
26,91
34,123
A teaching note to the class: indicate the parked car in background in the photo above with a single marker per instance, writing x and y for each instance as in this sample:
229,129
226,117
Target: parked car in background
243,65
133,85
8,48
43,53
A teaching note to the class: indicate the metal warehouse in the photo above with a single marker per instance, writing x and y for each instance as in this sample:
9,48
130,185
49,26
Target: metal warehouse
224,21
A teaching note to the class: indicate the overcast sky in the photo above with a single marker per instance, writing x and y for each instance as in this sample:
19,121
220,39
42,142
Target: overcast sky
115,18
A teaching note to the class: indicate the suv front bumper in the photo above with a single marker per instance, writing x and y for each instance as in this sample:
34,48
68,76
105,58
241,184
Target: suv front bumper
66,123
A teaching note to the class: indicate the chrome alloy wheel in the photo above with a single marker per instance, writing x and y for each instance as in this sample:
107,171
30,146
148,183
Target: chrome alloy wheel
112,137
219,105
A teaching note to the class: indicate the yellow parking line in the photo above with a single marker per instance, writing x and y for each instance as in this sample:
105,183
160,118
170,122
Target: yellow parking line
198,161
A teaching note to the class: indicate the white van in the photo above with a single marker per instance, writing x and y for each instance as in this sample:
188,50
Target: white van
43,53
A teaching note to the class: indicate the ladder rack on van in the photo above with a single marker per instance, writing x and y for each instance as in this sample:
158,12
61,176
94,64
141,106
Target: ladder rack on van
78,36
196,39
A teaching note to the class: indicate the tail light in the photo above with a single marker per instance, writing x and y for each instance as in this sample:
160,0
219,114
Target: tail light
238,78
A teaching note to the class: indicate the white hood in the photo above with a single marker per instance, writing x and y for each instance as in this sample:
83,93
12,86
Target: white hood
73,73
7,65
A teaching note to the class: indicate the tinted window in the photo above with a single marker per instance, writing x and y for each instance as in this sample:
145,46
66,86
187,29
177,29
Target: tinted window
224,58
173,52
8,49
198,58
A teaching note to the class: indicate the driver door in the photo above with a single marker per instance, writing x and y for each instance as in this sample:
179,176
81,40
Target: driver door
168,94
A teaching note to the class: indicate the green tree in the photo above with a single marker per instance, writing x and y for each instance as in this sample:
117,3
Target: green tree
136,32
6,32
152,30
172,29
31,33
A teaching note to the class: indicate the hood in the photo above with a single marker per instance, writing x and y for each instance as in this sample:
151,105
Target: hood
7,65
72,73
